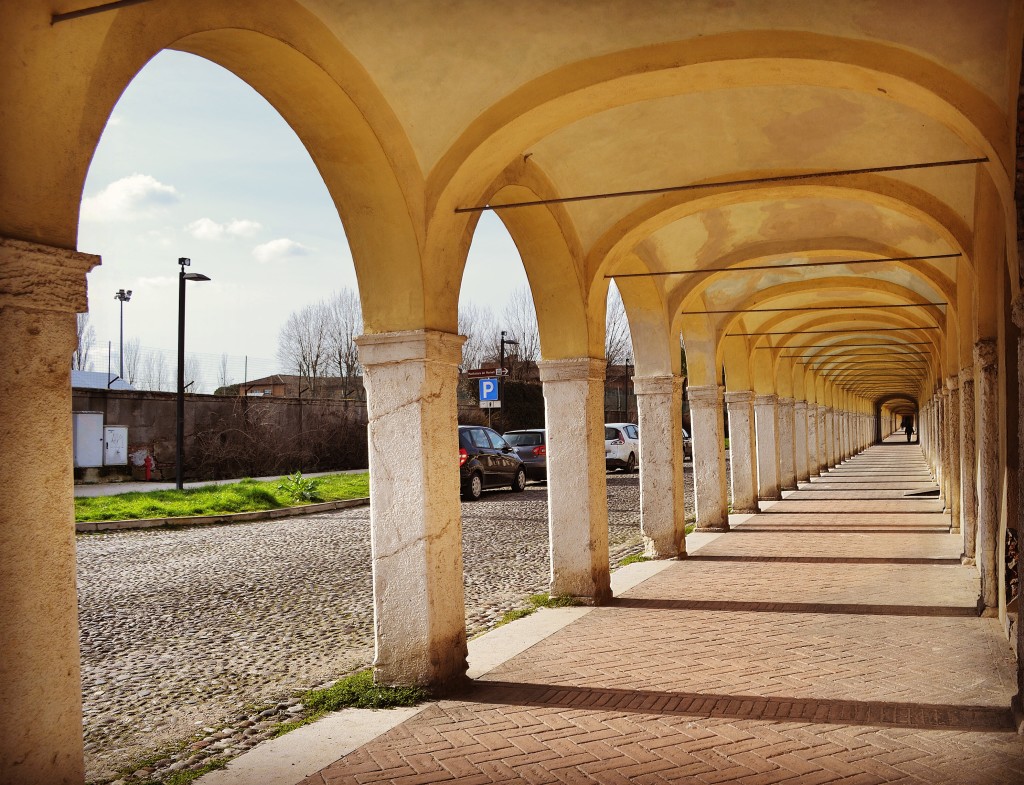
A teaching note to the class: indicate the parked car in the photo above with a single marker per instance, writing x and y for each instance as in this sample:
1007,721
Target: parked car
687,445
531,445
621,445
487,461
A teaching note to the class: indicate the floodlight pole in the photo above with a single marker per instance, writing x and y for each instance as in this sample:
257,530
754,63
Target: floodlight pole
123,296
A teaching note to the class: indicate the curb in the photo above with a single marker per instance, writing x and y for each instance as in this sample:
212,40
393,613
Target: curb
210,520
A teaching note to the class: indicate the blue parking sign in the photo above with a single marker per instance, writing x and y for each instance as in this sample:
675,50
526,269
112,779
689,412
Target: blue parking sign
488,389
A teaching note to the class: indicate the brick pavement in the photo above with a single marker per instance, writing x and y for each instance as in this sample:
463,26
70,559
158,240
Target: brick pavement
847,649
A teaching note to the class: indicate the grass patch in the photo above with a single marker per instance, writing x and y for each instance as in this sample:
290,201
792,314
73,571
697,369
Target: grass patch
244,496
633,559
358,691
690,527
185,777
535,602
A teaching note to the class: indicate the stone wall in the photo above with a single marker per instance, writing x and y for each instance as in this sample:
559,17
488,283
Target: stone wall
232,436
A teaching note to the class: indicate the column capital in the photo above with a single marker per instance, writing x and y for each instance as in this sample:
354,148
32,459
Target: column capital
786,402
739,396
986,354
765,400
575,369
952,382
704,395
966,376
42,277
1017,311
657,385
801,405
389,348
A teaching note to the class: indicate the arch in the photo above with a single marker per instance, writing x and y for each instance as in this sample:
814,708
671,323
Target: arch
287,55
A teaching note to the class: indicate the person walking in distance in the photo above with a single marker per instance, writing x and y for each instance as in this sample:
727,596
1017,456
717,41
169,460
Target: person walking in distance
908,426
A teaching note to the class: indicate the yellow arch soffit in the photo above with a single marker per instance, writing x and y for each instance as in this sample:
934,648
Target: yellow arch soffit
745,59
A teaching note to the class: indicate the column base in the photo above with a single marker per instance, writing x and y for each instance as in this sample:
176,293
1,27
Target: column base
968,561
588,601
1017,708
719,528
745,512
776,498
989,613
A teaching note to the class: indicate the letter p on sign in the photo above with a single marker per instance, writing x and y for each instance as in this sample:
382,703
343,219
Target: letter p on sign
488,389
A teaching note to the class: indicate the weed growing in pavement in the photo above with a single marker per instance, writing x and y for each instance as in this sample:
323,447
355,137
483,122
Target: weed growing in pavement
633,558
690,528
244,496
186,776
299,489
357,691
537,601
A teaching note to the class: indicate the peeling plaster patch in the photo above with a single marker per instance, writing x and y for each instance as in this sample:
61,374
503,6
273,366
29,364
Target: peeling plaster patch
819,129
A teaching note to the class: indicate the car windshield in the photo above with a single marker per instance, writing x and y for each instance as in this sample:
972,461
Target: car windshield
611,433
524,439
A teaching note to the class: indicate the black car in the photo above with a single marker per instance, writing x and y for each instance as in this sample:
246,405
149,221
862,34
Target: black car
531,444
487,461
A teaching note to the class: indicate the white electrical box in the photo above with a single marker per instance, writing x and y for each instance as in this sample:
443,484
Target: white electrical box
115,445
87,436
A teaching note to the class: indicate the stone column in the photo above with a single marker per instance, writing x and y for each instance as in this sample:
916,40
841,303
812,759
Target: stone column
800,438
813,459
953,442
577,495
766,419
710,495
830,437
986,363
41,290
662,517
415,517
1017,313
822,441
742,454
940,446
787,446
968,467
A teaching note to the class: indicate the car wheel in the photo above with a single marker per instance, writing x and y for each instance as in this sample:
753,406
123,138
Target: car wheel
631,463
519,483
475,489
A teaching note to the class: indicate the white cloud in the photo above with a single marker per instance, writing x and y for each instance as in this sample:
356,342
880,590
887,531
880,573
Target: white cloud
135,196
208,229
279,249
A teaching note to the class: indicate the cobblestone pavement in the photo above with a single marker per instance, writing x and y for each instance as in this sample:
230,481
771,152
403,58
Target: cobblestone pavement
186,630
763,658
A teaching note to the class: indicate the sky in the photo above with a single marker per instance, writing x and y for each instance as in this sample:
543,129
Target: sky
193,162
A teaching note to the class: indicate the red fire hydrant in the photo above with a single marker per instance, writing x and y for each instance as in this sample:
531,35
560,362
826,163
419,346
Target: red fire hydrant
148,463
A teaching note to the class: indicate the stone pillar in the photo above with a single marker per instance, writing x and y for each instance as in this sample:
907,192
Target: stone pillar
41,290
830,437
940,446
766,420
415,517
742,454
822,440
953,442
787,445
986,363
1017,313
662,517
710,495
800,440
813,459
968,467
577,496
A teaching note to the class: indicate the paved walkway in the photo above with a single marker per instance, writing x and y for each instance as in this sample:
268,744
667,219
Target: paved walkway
832,638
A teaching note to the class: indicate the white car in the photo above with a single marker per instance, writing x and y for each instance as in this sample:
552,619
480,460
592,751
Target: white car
621,445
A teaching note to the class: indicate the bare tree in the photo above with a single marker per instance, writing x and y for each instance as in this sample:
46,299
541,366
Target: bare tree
193,373
155,373
223,378
132,361
85,338
520,322
618,345
477,323
345,324
305,344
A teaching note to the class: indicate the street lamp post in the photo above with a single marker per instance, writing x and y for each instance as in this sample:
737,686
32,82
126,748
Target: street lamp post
179,472
501,372
124,296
